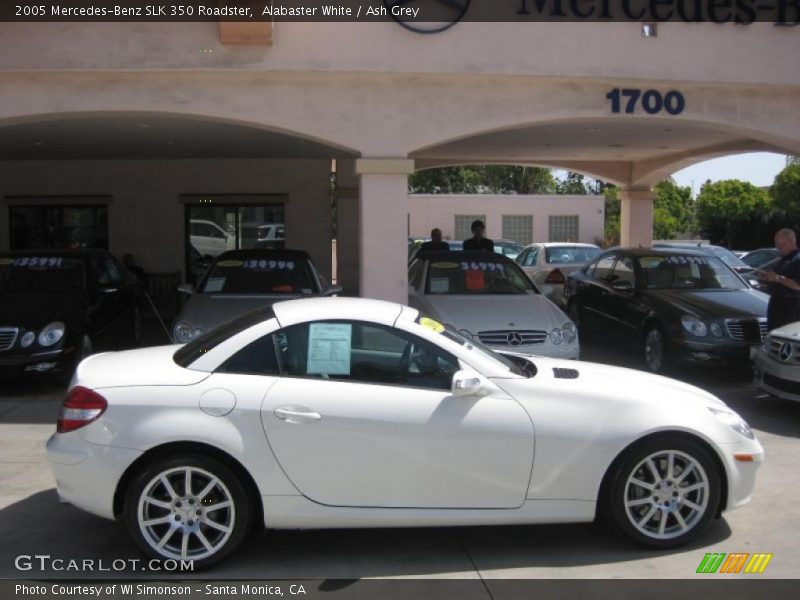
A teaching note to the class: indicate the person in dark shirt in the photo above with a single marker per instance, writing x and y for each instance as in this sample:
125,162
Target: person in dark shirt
784,282
436,242
135,270
477,241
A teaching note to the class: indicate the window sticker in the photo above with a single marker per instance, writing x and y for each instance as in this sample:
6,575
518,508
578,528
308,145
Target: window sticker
483,266
431,324
444,265
229,263
329,346
269,265
6,261
46,262
475,280
215,284
440,285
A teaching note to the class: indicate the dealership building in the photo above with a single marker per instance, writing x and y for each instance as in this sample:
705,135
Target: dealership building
143,137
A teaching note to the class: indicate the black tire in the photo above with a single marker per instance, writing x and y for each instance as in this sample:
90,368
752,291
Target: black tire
187,514
654,349
695,481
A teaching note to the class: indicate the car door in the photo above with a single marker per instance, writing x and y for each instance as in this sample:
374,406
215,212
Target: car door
363,416
111,303
596,295
624,308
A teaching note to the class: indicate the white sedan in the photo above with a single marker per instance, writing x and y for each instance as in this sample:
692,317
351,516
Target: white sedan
549,263
488,298
342,412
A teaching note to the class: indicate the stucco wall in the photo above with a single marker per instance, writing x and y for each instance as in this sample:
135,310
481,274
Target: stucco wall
146,218
439,210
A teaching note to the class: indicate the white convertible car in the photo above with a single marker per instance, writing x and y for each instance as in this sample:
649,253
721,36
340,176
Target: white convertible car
342,412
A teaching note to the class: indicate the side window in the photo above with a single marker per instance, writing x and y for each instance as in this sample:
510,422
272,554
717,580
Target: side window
523,256
115,271
624,270
532,257
415,275
257,358
363,353
603,268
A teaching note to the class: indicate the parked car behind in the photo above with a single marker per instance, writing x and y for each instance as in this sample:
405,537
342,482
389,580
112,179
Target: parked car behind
488,298
209,238
669,304
548,264
243,280
758,258
61,305
777,363
508,248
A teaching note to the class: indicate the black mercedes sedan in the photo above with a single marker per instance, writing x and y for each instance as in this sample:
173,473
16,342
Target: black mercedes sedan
58,306
669,304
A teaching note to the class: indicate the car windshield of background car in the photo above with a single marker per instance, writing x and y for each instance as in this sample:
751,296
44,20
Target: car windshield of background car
570,255
481,277
41,273
260,276
688,272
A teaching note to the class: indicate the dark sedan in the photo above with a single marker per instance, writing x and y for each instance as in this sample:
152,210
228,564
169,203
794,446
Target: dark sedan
670,304
58,306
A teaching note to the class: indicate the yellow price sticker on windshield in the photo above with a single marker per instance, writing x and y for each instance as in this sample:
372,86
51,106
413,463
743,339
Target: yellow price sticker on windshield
230,263
445,265
431,324
6,261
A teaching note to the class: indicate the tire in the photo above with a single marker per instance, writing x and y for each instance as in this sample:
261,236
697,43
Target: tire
654,349
667,507
167,523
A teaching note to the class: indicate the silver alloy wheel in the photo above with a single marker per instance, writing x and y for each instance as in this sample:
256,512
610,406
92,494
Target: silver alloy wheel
186,513
666,494
654,350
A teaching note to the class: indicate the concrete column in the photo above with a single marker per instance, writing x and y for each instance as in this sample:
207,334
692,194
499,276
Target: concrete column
347,228
636,217
383,211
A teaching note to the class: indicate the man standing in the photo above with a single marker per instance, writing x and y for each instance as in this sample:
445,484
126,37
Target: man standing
477,241
784,282
436,242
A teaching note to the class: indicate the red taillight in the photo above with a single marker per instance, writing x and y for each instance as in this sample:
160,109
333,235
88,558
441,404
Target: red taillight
81,407
555,276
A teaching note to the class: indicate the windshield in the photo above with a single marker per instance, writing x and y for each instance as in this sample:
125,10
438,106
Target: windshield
260,276
566,255
509,249
41,274
480,277
688,272
726,256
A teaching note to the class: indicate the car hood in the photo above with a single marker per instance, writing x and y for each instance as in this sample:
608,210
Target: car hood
715,303
789,332
143,366
493,312
209,311
603,383
35,310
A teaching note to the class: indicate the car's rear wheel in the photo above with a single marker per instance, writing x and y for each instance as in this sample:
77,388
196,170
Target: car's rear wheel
655,349
188,507
664,492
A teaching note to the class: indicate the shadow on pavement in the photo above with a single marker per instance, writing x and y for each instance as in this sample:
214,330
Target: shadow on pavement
62,531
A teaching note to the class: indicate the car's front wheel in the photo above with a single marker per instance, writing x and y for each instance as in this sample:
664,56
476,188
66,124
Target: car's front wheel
664,492
655,349
187,507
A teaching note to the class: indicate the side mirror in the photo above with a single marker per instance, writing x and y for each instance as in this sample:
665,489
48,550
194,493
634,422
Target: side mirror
622,285
467,384
333,290
186,288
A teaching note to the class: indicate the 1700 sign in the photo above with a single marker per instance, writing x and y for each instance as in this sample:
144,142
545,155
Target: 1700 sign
631,100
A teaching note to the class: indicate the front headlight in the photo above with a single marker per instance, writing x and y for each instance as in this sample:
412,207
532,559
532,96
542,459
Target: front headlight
51,334
569,332
27,339
694,326
716,330
734,421
556,336
185,333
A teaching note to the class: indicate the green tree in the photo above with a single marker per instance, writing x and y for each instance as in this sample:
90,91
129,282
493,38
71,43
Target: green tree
726,209
573,183
785,193
612,210
673,210
483,179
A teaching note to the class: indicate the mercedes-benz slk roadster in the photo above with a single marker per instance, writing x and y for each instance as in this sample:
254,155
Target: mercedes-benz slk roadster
343,412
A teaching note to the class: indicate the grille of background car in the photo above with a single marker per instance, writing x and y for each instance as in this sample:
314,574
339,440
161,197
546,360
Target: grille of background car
751,331
774,348
8,335
500,337
790,387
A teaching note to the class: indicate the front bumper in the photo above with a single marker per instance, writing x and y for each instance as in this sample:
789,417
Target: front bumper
741,461
774,377
87,474
720,350
42,362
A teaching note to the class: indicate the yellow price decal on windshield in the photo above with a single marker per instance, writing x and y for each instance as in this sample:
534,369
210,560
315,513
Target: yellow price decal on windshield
6,261
431,324
445,265
230,263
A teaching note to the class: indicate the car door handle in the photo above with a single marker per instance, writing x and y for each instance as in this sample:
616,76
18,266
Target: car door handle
297,415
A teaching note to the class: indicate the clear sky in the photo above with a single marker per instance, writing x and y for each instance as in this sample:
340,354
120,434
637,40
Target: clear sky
759,168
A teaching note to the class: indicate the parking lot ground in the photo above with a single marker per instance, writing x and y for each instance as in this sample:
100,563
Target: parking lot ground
32,521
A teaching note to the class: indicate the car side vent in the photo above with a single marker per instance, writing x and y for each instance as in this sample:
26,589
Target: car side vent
565,373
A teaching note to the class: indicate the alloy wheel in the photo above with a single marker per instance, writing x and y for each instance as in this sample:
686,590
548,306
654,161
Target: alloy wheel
654,353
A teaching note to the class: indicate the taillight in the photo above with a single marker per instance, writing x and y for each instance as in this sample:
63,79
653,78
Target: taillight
81,407
555,276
